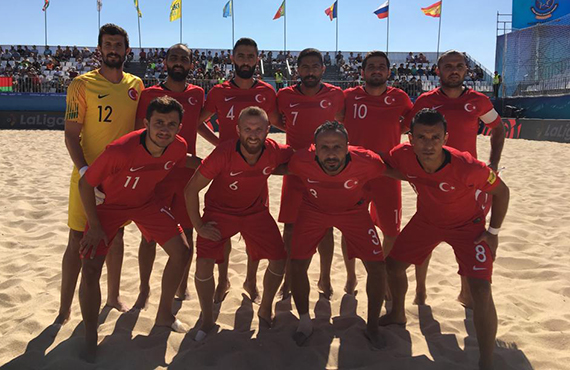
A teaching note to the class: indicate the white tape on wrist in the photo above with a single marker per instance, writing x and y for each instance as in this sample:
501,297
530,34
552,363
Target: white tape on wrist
82,171
493,231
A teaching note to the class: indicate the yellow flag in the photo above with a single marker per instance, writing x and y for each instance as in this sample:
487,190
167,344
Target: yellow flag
175,10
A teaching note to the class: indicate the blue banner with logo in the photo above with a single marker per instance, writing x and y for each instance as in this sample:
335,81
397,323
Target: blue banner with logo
527,13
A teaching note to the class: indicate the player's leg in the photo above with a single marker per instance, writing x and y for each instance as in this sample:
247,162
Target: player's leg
70,268
465,297
114,262
147,254
375,291
204,280
285,291
300,288
90,302
182,293
421,277
350,264
250,283
223,281
326,252
485,320
71,261
263,241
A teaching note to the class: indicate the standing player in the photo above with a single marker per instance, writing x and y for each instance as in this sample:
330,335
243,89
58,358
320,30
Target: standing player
171,190
237,202
446,181
101,107
373,119
227,100
305,106
127,172
334,175
462,108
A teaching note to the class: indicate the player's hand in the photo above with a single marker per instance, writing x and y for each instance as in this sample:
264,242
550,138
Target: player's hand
91,241
99,197
209,231
493,166
491,240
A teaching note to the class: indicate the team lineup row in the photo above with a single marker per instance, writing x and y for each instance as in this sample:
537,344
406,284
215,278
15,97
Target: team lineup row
147,176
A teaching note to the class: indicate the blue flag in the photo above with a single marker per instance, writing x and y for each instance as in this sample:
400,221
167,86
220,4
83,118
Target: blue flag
228,9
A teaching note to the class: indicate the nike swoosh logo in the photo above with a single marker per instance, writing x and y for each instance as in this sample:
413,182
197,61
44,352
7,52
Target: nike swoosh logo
412,177
376,252
235,174
136,169
230,98
358,97
102,96
438,106
312,181
294,105
475,268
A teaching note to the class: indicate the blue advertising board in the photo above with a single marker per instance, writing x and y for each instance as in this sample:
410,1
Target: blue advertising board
527,13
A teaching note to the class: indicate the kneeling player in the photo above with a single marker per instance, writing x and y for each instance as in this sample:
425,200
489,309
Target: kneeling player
127,172
237,202
446,181
334,176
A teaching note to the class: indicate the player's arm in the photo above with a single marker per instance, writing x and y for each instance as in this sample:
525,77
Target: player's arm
282,169
393,173
501,195
192,161
73,144
191,194
276,120
95,234
497,143
203,128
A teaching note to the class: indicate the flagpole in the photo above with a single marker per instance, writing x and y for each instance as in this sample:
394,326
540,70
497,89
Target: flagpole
139,23
388,33
285,27
337,26
45,22
99,18
233,28
181,21
439,30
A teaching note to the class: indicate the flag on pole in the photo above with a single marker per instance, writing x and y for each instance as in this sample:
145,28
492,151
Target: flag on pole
228,9
433,10
175,10
331,10
138,9
46,5
280,12
382,11
99,5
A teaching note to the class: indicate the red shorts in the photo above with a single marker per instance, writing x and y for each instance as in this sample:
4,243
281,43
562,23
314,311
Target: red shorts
291,198
356,226
155,222
419,238
386,205
171,191
260,232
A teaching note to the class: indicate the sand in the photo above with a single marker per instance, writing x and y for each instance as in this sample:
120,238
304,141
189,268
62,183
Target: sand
531,285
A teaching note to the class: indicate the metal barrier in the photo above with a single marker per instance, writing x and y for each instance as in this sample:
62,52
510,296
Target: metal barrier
554,86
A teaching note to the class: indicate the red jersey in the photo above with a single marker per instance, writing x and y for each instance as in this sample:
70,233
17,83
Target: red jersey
342,192
128,174
462,115
227,100
192,100
303,114
372,121
237,187
446,198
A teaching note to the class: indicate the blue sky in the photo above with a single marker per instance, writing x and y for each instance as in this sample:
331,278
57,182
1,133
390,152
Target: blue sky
466,25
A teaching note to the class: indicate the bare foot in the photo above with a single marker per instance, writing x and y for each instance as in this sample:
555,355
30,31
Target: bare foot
142,301
466,300
420,299
117,304
376,339
170,321
182,294
326,289
204,330
221,291
61,319
89,352
265,317
284,292
392,319
251,289
350,286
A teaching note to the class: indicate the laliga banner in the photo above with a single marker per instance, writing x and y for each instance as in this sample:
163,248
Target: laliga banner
527,13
